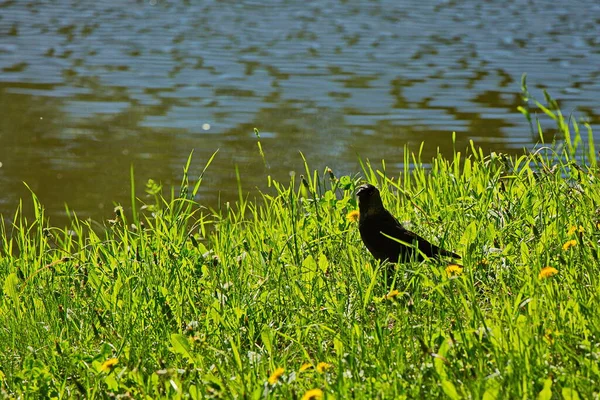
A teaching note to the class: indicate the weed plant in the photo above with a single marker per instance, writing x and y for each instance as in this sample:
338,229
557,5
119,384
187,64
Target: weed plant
276,297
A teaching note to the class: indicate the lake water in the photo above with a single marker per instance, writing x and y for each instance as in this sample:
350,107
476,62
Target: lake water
89,88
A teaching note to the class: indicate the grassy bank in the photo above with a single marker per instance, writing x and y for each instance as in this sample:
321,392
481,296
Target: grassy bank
277,297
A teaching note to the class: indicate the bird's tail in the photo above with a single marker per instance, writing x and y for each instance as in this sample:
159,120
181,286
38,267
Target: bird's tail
447,253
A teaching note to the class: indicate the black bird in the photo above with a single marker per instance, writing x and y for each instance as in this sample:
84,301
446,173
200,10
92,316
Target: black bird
375,222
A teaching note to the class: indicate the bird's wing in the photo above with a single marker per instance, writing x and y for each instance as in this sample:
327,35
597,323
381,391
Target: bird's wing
391,227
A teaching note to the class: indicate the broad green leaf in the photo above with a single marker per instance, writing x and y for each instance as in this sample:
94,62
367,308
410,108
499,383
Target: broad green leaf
570,394
323,263
11,284
469,234
450,390
546,392
492,392
181,345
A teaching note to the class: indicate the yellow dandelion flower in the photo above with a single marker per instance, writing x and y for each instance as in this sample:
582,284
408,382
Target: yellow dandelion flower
547,272
305,367
322,366
276,375
571,230
313,394
568,244
353,216
453,270
109,364
392,294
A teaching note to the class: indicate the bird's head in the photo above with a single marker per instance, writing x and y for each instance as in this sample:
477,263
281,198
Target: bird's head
369,199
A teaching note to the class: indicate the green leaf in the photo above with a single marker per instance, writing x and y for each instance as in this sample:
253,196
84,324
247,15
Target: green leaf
181,346
338,346
570,394
323,262
329,196
546,393
309,268
115,292
266,336
492,392
469,235
236,353
11,284
194,392
525,253
450,390
345,182
111,382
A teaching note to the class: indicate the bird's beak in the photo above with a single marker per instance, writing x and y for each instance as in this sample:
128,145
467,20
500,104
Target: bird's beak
360,190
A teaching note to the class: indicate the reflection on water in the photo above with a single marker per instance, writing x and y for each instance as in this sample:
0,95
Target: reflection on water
89,88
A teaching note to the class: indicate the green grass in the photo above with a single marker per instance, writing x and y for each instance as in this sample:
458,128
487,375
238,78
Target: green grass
192,302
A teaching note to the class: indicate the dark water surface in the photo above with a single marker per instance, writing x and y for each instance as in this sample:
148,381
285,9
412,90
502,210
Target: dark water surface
88,88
